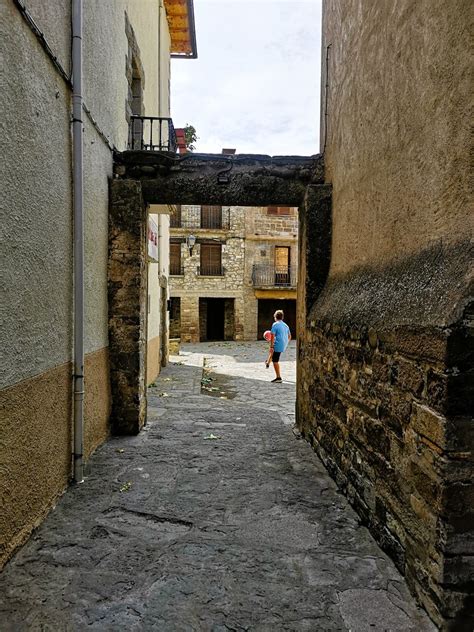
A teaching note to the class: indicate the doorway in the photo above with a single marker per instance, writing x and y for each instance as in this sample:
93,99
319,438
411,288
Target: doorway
268,306
216,319
211,319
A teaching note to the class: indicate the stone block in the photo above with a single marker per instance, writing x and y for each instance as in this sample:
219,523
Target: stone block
427,422
174,345
450,434
407,376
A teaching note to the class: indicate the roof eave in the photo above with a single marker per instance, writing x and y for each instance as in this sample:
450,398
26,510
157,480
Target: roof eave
191,34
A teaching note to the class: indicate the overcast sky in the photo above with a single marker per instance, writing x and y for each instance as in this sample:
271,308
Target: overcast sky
255,85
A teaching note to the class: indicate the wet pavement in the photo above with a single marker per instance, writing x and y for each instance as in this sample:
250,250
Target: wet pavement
216,517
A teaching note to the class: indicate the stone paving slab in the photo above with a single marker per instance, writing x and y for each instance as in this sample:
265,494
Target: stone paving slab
174,530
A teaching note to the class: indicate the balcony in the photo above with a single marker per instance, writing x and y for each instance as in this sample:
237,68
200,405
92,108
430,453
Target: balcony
267,275
213,218
151,133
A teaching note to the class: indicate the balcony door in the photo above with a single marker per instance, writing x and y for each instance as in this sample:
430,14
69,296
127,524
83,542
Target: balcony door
282,265
211,216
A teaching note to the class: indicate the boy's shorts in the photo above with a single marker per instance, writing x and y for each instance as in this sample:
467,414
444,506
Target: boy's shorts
276,356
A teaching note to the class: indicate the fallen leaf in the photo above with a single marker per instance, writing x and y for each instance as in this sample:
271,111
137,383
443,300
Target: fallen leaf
120,450
164,395
126,486
211,437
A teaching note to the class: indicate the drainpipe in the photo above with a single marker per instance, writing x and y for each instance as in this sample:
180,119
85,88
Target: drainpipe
77,133
159,59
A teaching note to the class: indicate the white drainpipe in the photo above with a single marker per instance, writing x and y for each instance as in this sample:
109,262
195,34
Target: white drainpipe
159,58
78,176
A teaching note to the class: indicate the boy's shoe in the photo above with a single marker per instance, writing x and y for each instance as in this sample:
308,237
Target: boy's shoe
277,380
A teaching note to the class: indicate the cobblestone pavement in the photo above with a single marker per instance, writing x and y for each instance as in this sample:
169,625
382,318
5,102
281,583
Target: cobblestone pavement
216,517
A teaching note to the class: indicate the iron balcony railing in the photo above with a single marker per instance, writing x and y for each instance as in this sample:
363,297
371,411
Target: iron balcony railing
214,220
151,133
211,270
267,275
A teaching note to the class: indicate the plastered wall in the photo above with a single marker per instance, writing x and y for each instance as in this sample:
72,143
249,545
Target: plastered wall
36,224
384,390
397,127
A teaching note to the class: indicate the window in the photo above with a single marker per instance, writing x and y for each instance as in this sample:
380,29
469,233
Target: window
211,216
279,210
175,259
211,260
282,265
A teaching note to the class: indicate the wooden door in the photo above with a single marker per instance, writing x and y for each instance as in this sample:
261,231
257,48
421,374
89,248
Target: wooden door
282,265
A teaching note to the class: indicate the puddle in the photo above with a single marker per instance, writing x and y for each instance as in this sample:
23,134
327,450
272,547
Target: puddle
216,384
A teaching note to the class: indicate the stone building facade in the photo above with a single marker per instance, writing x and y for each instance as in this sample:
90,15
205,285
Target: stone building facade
227,285
386,347
126,63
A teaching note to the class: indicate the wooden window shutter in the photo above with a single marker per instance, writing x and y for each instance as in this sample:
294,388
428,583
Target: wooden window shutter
175,258
211,259
278,210
211,216
175,217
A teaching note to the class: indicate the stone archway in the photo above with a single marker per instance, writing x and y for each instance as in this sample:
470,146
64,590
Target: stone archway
144,178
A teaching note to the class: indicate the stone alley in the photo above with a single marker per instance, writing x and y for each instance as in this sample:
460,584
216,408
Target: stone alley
218,516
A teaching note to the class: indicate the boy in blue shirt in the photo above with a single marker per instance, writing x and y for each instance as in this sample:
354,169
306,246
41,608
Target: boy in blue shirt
281,336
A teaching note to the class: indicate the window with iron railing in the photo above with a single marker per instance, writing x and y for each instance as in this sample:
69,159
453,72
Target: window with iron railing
211,260
201,217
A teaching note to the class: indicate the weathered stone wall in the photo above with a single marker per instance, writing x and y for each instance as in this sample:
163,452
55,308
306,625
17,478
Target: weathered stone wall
202,319
128,276
229,319
386,346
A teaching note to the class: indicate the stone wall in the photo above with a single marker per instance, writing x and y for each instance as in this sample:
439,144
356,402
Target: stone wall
192,285
251,238
386,345
387,415
128,274
229,319
202,316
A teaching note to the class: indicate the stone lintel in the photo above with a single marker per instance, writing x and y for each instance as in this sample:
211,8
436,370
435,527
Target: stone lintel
237,180
275,293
